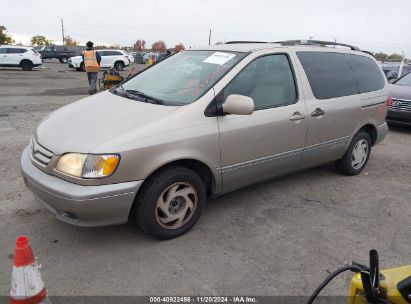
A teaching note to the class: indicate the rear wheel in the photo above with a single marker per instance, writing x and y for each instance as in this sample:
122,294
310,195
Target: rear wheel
357,155
64,59
26,65
170,202
119,65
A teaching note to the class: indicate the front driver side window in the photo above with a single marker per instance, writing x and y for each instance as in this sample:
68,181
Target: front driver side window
268,80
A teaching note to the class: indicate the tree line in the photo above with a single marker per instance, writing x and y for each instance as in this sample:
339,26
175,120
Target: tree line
140,45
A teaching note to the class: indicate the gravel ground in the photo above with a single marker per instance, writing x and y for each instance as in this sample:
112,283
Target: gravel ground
276,238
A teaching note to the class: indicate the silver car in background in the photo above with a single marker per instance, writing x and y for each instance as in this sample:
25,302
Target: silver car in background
399,106
202,123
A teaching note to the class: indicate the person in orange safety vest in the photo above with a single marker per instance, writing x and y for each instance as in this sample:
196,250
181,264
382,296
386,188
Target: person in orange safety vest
91,59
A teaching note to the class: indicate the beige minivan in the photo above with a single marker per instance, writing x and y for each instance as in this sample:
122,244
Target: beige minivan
202,123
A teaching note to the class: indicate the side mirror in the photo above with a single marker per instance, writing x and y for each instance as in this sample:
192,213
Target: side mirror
238,104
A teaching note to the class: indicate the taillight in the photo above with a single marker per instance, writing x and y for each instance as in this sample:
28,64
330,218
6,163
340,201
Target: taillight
388,103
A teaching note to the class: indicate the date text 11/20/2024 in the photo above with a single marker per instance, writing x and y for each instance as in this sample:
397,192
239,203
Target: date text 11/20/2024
204,299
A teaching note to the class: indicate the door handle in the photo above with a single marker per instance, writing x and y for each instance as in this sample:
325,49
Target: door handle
318,112
297,116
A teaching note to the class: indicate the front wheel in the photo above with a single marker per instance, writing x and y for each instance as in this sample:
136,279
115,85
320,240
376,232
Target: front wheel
357,155
170,202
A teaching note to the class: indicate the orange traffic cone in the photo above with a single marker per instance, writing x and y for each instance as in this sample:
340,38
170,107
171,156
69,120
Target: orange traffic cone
27,286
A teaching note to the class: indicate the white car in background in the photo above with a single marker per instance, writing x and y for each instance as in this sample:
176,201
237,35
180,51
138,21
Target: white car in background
19,56
109,59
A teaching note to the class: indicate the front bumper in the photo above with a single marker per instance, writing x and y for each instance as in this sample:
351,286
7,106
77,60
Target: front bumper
74,64
399,117
79,205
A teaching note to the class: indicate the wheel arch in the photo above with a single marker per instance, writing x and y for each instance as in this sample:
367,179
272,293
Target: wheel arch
199,167
119,60
371,130
25,59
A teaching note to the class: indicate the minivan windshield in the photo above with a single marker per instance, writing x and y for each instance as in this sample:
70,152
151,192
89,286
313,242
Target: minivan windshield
182,78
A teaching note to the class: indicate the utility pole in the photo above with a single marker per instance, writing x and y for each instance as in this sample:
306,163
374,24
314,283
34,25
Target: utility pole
401,65
209,38
62,29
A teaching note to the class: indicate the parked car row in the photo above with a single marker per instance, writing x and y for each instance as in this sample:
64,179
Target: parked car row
391,70
109,59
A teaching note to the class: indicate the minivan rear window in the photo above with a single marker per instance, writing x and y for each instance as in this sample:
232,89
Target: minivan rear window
329,74
367,74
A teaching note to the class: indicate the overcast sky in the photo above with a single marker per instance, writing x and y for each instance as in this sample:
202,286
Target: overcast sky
375,25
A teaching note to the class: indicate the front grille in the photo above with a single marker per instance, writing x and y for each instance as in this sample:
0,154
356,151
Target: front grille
40,154
400,105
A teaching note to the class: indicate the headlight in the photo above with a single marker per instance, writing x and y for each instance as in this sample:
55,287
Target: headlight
88,166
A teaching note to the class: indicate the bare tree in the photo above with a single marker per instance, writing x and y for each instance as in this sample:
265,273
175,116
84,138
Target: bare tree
179,47
159,46
140,45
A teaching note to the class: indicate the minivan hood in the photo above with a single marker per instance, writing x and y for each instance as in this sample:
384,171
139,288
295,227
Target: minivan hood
400,91
89,122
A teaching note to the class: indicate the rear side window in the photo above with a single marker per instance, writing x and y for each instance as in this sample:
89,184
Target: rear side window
3,50
367,74
329,74
16,51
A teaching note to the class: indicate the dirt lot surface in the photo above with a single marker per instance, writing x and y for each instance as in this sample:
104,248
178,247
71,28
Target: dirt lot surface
276,238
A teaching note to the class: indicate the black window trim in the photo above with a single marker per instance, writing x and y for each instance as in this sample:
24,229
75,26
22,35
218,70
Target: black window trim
218,102
357,82
351,68
20,50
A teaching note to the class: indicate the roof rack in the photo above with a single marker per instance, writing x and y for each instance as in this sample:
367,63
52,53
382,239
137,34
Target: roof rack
238,42
317,42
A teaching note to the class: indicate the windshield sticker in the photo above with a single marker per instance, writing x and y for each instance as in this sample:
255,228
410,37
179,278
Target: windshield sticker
219,58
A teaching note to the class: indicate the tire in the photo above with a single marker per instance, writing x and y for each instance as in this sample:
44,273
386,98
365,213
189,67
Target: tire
81,68
26,65
353,163
63,59
119,65
161,210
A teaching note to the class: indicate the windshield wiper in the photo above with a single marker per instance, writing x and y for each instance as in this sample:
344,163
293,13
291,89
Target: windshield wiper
145,96
124,93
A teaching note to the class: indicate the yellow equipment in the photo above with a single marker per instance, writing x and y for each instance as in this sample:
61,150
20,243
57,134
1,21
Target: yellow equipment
369,285
109,79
